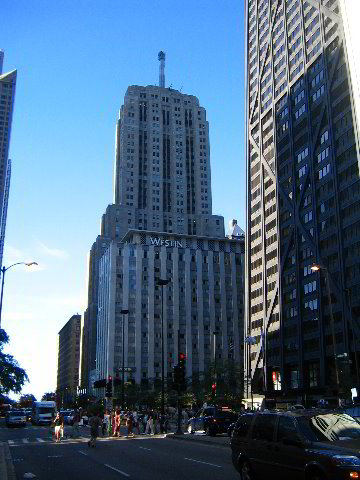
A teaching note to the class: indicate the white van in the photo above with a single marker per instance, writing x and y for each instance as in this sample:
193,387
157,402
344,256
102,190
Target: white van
43,413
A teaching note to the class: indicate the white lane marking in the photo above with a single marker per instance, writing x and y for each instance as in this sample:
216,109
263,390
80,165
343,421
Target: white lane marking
55,456
205,463
40,440
116,470
83,453
143,448
25,440
11,442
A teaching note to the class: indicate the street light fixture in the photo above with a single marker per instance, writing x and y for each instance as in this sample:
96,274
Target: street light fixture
162,282
316,268
123,312
3,270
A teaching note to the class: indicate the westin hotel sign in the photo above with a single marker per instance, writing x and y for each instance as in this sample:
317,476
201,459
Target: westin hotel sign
160,242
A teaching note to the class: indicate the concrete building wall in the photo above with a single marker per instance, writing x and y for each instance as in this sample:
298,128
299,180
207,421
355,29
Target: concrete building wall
303,199
205,293
69,358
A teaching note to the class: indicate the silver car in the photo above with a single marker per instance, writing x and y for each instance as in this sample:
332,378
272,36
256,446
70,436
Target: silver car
15,418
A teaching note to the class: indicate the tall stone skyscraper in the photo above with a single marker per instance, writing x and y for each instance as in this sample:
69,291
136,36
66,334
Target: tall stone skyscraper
303,202
7,98
162,162
161,226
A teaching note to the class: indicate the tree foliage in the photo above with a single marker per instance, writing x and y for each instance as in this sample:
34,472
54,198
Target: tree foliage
27,400
12,376
48,397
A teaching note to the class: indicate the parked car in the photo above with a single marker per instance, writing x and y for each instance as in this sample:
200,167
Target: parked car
15,418
300,444
211,420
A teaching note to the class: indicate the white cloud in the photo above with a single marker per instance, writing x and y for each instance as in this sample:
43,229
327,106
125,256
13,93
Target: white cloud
53,252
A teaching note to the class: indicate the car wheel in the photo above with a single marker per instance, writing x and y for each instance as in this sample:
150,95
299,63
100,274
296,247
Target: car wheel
190,429
207,430
245,471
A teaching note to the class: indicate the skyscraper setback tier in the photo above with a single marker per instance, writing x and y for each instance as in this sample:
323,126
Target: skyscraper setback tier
162,163
303,202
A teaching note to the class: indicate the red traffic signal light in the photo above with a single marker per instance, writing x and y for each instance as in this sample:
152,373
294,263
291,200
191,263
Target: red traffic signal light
182,356
213,387
110,378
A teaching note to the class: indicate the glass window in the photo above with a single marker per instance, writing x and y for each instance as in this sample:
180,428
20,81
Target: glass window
243,425
286,428
264,427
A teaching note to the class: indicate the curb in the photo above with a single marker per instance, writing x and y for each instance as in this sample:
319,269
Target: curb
203,440
7,470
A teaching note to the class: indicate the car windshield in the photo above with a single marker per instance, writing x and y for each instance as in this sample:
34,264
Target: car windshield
330,427
45,410
16,413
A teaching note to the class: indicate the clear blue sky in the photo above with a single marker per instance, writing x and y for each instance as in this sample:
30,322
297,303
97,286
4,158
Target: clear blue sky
75,60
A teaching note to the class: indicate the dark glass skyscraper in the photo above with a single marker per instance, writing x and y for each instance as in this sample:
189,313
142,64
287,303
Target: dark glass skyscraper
303,202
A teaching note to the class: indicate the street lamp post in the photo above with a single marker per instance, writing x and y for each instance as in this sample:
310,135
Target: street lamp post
3,270
162,282
316,268
216,332
249,340
123,313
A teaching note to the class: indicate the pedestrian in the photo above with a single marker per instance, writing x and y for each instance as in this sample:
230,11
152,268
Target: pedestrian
129,423
105,425
57,423
153,424
75,424
144,422
95,422
117,421
136,423
149,422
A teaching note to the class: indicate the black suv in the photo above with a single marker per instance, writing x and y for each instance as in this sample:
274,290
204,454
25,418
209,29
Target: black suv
211,420
301,444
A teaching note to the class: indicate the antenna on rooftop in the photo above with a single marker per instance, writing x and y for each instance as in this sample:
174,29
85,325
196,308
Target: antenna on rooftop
161,57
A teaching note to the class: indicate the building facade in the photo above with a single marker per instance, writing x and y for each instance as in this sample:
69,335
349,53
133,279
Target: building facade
204,295
162,183
7,99
68,360
303,202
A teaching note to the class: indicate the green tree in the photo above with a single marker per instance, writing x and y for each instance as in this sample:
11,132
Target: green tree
27,400
48,397
12,376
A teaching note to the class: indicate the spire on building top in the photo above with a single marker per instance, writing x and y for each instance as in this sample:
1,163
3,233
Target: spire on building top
161,57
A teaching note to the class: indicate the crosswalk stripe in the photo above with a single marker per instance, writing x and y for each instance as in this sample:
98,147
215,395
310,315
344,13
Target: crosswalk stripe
11,442
25,440
40,440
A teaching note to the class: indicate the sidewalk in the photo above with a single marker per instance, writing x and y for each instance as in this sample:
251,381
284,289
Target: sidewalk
7,471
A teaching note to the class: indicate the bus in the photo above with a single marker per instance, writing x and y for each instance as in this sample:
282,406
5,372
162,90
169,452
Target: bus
43,413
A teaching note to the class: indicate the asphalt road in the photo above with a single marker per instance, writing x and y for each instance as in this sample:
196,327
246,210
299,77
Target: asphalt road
139,458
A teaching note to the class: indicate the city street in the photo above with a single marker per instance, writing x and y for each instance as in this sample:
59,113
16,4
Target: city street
141,457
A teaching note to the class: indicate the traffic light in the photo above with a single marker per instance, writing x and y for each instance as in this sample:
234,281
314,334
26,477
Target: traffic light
109,387
213,389
182,371
117,382
100,383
